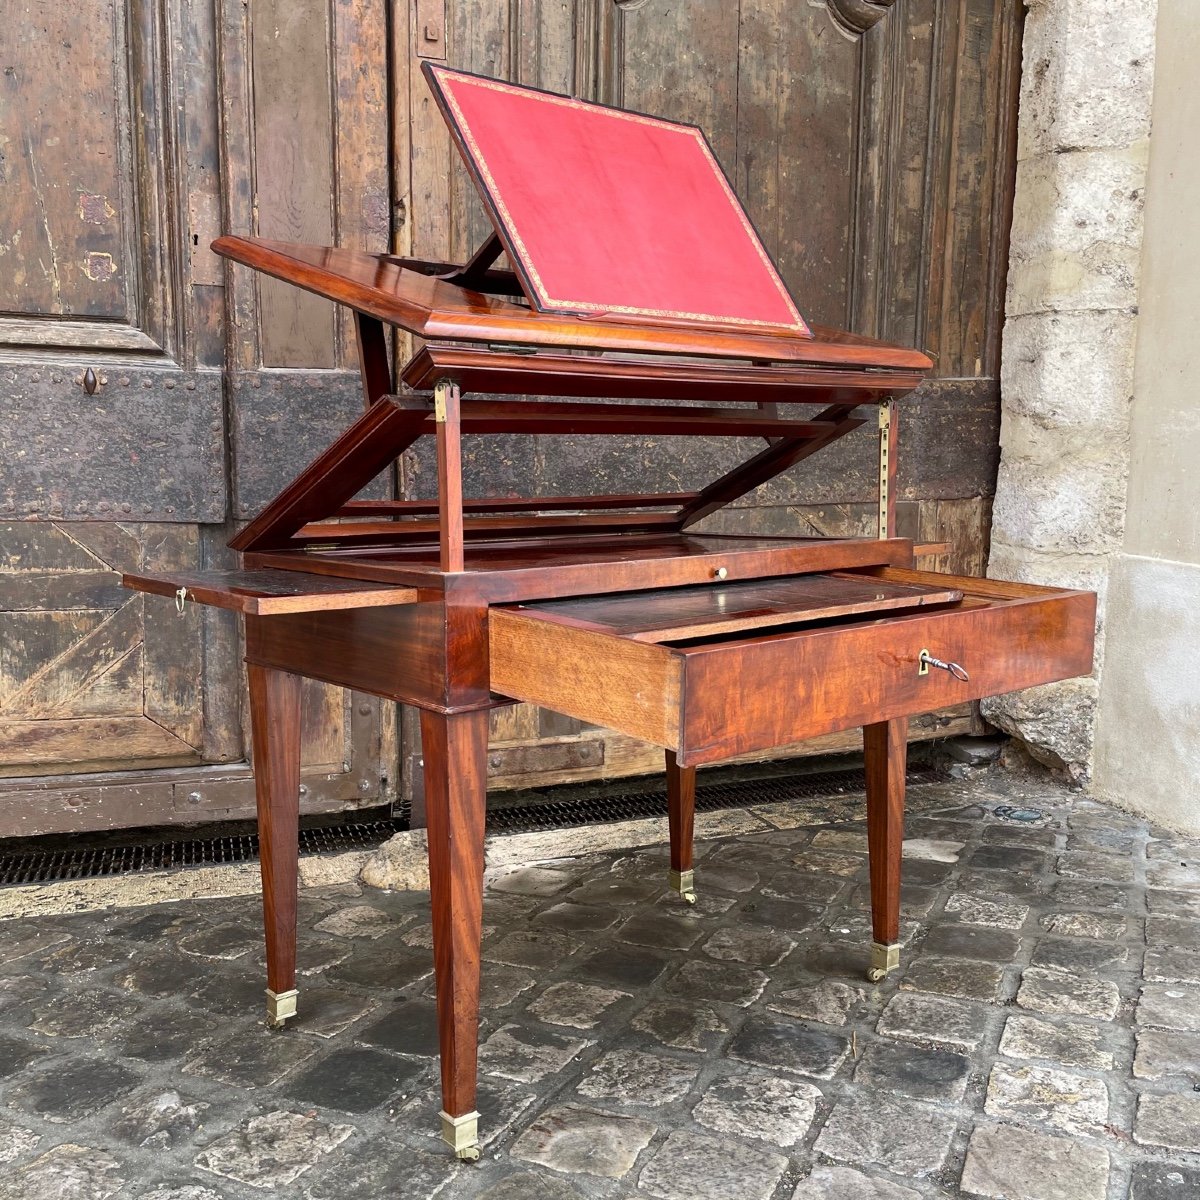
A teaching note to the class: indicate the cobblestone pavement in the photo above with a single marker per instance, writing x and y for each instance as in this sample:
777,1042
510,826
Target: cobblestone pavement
1042,1041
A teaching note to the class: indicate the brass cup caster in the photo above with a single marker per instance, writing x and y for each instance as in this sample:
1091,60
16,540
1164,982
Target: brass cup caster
281,1007
683,882
461,1134
884,960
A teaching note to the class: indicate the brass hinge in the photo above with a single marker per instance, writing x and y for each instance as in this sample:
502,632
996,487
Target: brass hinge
320,547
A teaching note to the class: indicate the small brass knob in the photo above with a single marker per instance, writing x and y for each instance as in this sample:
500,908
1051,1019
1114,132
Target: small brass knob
720,572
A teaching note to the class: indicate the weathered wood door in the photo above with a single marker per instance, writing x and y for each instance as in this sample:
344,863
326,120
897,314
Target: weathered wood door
873,145
151,398
148,399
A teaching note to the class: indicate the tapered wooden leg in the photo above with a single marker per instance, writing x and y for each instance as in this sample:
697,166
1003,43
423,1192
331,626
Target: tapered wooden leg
275,732
886,749
681,812
455,750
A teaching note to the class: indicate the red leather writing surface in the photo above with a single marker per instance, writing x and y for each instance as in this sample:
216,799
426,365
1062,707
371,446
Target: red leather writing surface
606,211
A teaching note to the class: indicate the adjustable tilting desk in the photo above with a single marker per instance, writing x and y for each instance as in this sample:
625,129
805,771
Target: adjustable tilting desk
614,608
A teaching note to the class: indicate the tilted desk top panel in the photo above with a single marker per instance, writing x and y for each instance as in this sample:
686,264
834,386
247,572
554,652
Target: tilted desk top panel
587,201
385,287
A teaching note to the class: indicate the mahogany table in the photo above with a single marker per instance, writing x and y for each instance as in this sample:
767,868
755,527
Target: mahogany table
613,608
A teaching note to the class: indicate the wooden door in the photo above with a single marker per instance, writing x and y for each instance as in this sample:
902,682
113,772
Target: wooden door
873,145
131,133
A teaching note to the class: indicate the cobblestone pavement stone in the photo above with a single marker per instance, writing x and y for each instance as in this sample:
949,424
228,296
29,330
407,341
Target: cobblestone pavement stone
1041,1040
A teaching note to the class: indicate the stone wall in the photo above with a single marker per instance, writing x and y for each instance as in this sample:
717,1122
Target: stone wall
1067,373
1148,729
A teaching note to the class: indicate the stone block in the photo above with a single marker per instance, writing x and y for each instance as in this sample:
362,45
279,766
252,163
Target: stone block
525,1185
1173,933
68,1172
401,864
785,1046
1168,903
932,849
964,941
1162,1054
1059,1099
83,1013
527,1054
681,1024
722,983
756,947
707,1168
1059,993
1071,1043
829,1001
1170,1121
1053,497
357,921
1163,1181
532,948
1054,720
272,1150
501,984
355,1080
967,978
1172,966
917,1017
250,1058
68,1091
1088,75
381,1167
159,1118
634,1075
1101,926
1169,1006
1075,955
664,931
407,1028
626,969
993,914
775,1109
916,1071
1069,893
579,1005
1103,868
569,917
905,1137
15,1141
1077,230
845,1183
1184,876
1008,1163
532,881
1068,372
577,1140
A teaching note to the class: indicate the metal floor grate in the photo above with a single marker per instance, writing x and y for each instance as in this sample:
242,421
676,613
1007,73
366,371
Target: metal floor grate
81,861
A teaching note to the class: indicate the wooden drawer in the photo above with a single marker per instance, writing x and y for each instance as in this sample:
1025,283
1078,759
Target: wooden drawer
738,689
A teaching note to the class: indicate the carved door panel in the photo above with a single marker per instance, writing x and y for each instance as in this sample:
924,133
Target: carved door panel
115,327
873,146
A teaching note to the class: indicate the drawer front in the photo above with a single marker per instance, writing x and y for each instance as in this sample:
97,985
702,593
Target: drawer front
744,691
743,696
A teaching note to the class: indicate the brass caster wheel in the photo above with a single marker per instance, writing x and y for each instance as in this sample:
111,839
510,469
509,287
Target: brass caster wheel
461,1134
681,882
281,1007
884,960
